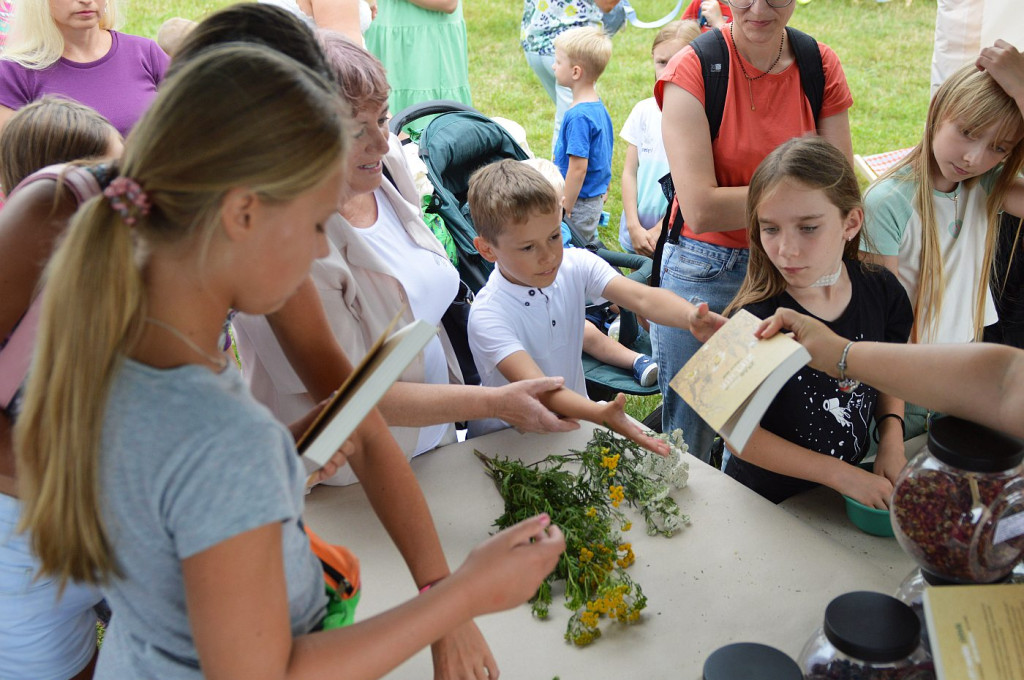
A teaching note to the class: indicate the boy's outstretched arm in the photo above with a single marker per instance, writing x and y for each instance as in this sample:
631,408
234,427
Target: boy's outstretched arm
664,307
568,404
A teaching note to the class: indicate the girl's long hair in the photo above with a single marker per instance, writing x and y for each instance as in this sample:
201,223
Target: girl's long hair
235,116
34,40
815,164
973,100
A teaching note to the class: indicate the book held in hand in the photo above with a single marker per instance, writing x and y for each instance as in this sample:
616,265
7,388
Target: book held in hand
976,632
733,378
369,381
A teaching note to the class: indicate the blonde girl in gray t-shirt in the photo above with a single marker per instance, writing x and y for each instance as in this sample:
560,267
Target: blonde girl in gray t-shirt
197,540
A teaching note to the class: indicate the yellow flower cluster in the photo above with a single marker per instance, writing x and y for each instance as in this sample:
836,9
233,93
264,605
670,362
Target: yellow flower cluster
628,557
610,463
585,554
591,512
617,494
612,603
627,526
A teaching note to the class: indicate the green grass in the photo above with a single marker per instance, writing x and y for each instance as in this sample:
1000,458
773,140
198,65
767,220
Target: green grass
885,49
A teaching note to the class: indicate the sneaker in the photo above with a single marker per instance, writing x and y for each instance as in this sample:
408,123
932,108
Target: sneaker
645,371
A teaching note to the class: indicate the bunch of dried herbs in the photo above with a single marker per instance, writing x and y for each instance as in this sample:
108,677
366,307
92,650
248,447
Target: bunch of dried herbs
583,492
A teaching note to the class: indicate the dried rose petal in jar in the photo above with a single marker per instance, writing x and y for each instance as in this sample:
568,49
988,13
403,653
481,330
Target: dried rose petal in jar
958,506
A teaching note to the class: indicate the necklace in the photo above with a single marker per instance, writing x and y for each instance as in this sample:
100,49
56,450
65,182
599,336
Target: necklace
829,279
221,362
739,58
958,222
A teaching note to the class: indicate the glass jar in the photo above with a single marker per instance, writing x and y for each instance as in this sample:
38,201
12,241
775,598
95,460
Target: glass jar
911,593
750,661
867,636
958,505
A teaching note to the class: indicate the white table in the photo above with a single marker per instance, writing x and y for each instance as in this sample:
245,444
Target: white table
744,570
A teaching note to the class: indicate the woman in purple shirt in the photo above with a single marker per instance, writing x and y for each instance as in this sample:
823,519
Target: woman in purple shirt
67,47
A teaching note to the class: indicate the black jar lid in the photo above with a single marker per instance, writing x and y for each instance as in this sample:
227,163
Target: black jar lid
750,661
973,447
872,627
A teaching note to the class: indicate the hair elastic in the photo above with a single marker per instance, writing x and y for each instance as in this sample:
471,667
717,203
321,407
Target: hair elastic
127,198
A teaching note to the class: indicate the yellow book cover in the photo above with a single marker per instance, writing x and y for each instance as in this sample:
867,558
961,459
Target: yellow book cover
733,378
976,632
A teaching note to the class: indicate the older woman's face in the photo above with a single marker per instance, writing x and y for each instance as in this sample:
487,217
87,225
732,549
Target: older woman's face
761,22
77,14
369,144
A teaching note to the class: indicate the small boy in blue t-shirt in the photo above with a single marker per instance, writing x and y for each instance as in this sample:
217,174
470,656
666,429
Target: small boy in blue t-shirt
583,150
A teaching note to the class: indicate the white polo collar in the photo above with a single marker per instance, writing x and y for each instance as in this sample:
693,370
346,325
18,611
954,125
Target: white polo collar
526,295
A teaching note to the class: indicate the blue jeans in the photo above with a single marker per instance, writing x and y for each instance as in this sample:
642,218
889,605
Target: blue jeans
562,96
698,272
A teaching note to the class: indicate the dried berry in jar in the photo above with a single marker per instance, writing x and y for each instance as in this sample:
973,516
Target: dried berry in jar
844,669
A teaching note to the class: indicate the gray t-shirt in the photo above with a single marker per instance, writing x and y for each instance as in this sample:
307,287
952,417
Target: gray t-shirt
190,459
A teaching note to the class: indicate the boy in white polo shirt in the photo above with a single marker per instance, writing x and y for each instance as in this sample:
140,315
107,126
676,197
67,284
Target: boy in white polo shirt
528,320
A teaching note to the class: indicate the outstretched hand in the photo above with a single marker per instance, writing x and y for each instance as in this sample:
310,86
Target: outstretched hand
521,407
1006,66
825,346
704,322
505,570
612,415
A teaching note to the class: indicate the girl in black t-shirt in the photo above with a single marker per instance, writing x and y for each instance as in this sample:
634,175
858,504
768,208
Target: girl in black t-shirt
805,215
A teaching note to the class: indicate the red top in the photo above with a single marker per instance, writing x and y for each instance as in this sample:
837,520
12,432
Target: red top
692,11
746,137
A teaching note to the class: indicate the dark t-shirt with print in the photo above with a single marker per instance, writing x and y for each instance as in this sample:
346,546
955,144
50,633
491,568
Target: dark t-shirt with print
810,410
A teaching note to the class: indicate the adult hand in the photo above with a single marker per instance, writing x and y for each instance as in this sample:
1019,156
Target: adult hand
1006,66
612,415
704,322
505,570
825,346
865,487
463,654
520,407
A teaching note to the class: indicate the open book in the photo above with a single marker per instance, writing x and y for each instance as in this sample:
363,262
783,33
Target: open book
369,381
976,631
733,378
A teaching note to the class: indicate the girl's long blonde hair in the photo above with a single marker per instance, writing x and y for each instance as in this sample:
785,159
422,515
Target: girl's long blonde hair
975,101
236,116
34,40
813,163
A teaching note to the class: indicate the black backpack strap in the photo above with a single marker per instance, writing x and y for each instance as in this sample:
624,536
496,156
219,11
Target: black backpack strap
671,225
812,72
713,53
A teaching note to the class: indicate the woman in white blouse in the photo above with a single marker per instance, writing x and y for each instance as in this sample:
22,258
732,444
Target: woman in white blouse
383,258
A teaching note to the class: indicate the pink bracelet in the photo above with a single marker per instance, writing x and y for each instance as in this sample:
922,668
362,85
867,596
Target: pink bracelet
430,585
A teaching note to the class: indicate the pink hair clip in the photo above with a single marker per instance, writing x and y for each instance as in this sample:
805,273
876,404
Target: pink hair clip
127,198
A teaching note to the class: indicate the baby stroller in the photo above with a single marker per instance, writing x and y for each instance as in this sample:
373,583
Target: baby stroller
452,146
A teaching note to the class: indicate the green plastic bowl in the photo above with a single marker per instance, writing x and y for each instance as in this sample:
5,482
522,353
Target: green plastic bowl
867,519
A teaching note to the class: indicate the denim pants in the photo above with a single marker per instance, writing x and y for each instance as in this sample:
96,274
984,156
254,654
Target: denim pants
562,96
698,272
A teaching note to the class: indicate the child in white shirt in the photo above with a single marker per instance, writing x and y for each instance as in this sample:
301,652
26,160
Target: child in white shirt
643,202
528,320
